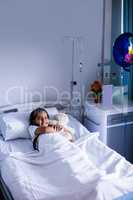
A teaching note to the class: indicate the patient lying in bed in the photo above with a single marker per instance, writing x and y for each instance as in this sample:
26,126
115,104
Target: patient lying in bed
40,125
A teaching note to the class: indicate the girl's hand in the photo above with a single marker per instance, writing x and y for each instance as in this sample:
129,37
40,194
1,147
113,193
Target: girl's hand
53,129
57,128
50,129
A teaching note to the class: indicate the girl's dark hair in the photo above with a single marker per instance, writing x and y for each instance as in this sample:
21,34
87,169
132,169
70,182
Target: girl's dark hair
35,143
34,114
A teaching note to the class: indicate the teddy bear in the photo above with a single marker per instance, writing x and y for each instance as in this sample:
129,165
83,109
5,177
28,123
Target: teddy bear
62,119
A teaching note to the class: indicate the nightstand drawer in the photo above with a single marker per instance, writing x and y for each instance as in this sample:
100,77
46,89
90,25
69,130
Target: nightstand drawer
129,117
115,119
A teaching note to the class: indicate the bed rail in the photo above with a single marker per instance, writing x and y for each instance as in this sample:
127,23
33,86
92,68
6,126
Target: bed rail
5,191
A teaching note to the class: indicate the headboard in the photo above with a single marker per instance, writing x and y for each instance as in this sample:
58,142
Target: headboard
30,106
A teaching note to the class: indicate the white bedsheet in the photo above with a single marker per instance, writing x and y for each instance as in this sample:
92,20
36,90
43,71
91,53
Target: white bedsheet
86,170
19,145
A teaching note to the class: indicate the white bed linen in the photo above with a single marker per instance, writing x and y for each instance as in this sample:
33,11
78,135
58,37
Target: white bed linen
63,173
86,170
18,145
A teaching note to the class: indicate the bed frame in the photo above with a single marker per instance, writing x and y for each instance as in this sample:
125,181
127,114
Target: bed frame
15,108
5,191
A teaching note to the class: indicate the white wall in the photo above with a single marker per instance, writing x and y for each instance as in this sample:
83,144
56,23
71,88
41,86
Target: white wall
34,52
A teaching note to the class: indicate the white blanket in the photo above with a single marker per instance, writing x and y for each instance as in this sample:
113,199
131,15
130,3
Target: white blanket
86,170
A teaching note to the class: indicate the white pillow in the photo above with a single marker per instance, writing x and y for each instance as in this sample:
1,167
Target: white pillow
52,111
15,125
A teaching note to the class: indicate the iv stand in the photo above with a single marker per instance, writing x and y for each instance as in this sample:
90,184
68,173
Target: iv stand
73,82
101,64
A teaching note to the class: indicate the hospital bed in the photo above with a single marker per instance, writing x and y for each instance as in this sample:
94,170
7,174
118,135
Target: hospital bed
95,171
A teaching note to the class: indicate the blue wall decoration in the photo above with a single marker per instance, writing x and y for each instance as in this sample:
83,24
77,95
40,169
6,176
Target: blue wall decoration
123,50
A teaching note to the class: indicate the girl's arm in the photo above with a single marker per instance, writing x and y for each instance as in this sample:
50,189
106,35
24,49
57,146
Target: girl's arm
40,130
50,129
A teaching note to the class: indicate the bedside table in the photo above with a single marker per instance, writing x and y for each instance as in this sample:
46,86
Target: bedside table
114,125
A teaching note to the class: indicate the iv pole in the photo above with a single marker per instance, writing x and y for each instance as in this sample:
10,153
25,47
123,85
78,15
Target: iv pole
102,62
73,82
103,39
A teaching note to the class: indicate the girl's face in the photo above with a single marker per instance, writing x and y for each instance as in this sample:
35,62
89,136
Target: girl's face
42,119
